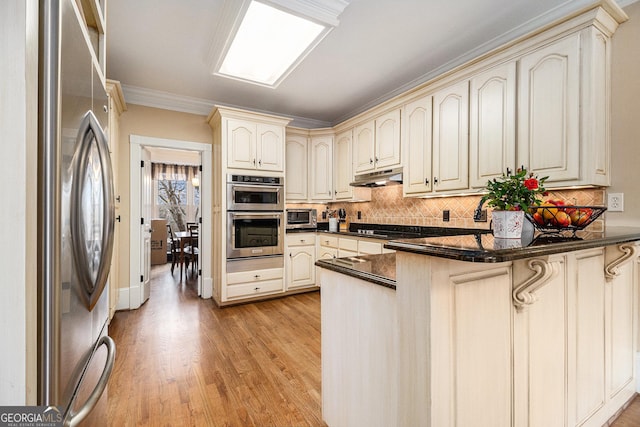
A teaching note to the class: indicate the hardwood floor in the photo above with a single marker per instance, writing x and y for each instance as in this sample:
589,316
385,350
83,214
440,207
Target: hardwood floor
181,361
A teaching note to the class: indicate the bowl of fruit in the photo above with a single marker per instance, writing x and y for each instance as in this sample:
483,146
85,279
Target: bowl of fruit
555,215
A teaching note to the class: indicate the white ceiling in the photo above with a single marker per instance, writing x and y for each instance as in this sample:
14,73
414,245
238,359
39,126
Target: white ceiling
160,51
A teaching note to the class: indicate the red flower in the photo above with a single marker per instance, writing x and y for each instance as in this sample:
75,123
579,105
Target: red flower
531,183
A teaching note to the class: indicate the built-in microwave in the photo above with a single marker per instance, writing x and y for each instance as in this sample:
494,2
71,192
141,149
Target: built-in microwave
302,218
254,234
255,193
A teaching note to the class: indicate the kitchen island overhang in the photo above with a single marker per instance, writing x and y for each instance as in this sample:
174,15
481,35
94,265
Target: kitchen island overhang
537,335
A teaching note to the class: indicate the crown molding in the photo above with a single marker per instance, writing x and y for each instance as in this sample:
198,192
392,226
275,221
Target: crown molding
185,104
557,14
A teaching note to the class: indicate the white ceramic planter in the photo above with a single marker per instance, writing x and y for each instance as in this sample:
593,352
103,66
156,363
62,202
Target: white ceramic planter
507,224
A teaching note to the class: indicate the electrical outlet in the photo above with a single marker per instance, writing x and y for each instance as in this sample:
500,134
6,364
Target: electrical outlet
482,217
445,215
359,215
615,202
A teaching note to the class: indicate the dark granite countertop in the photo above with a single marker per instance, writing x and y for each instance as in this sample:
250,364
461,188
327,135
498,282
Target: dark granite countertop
485,248
378,269
389,231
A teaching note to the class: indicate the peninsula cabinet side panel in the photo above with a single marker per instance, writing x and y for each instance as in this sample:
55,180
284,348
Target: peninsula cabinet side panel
586,343
540,334
471,351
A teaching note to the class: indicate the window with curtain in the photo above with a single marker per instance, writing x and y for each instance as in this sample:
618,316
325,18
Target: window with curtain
176,194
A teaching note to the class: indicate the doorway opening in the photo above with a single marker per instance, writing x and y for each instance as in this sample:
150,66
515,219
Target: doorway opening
170,182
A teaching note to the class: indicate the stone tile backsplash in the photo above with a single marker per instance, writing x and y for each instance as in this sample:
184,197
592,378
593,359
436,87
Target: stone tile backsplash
387,206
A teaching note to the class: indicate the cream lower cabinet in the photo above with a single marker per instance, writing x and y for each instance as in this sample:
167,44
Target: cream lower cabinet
327,246
300,260
540,342
255,283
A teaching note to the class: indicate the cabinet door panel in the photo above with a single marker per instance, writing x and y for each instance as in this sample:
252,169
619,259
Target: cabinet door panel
363,147
416,130
387,138
270,147
451,137
296,168
587,320
241,146
492,124
321,168
344,166
548,110
301,269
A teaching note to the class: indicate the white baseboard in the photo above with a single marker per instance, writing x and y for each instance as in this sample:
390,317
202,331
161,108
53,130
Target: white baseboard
638,372
123,299
207,288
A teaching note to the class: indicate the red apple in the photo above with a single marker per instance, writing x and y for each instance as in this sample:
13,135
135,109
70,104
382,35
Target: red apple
562,219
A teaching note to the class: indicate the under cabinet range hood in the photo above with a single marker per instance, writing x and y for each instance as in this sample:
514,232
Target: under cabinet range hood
378,178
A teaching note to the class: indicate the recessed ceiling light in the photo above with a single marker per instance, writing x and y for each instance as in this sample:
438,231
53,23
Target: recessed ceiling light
268,44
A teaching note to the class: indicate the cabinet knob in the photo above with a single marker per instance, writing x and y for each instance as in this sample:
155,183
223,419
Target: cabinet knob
253,161
260,162
508,171
329,193
335,192
256,288
426,181
290,254
302,240
257,276
105,108
377,160
435,180
370,161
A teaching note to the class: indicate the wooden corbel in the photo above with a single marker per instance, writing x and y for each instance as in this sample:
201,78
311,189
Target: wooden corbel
525,294
612,269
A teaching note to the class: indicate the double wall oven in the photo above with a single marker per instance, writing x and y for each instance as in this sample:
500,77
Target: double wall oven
255,216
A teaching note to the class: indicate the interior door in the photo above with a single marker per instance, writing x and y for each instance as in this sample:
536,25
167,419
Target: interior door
146,192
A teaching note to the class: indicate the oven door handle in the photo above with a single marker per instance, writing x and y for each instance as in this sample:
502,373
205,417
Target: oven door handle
252,215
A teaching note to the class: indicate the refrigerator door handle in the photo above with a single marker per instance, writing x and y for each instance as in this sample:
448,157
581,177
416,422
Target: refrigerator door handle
90,135
76,418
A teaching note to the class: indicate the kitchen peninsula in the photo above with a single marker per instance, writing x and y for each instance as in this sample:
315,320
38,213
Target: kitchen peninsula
482,332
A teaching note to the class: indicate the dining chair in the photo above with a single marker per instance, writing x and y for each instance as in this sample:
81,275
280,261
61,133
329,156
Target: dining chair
192,251
176,253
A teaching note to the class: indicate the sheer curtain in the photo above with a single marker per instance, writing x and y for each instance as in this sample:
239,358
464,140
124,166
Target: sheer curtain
176,193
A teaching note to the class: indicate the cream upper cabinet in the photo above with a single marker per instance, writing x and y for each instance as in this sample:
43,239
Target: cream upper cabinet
343,162
492,124
549,110
321,167
270,147
364,147
387,140
451,137
254,145
417,141
376,144
296,168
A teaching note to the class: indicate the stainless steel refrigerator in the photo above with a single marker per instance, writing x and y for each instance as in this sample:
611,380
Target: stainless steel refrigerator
76,217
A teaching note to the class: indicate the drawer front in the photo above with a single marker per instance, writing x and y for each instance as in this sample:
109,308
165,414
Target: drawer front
255,289
300,239
327,240
367,247
255,276
348,244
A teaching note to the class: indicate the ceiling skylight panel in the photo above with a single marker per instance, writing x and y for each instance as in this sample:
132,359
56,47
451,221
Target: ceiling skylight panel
268,43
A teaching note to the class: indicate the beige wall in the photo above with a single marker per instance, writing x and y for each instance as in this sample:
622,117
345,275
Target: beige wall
625,118
157,123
